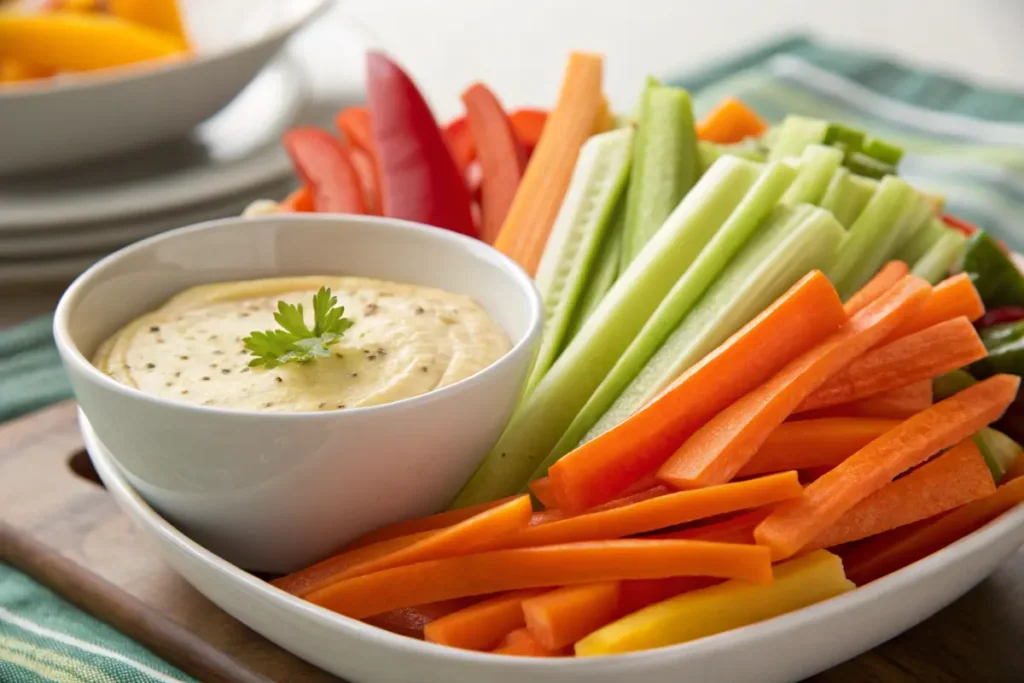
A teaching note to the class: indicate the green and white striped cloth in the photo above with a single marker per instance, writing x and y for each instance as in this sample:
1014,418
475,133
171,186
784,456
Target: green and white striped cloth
963,142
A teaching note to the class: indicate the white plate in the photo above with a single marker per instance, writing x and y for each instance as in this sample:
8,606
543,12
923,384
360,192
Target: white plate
237,150
786,648
89,115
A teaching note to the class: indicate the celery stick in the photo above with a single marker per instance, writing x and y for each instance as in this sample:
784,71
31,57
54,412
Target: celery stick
543,416
795,134
664,165
817,166
736,231
603,272
749,149
869,167
796,240
707,154
850,138
882,151
871,235
913,249
847,195
597,181
936,263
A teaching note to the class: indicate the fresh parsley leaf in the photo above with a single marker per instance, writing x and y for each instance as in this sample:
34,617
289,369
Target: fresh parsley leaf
296,343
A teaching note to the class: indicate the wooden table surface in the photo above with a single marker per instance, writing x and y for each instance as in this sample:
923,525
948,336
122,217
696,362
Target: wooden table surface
977,639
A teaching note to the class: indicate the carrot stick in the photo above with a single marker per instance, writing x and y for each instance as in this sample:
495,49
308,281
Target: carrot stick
891,273
600,469
299,201
561,617
541,490
411,621
955,478
897,404
501,155
420,524
795,523
920,356
536,203
814,443
731,121
322,573
559,565
521,643
661,512
735,529
876,557
604,121
528,125
483,625
953,297
486,531
720,449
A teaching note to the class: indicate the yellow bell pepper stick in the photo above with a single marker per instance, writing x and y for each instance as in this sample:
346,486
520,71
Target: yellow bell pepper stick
161,15
800,582
72,41
13,71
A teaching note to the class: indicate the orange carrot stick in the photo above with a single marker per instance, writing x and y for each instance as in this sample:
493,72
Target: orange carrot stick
559,565
661,512
953,297
720,449
411,621
1016,469
299,201
486,531
896,404
795,523
501,155
919,356
955,478
561,617
876,557
420,524
536,203
814,443
541,490
731,121
600,469
521,643
483,625
891,273
736,529
528,125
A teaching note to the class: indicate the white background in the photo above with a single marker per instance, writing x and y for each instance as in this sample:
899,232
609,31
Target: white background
518,47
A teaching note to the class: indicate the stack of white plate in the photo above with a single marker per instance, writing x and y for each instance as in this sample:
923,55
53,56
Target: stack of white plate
56,223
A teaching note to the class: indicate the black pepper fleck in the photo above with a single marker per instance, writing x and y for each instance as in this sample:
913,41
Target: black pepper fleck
278,380
322,405
245,369
184,391
372,356
341,405
169,384
177,374
213,365
423,368
205,379
150,366
354,374
381,351
183,357
243,314
339,355
154,328
268,404
419,310
213,337
218,352
225,371
370,309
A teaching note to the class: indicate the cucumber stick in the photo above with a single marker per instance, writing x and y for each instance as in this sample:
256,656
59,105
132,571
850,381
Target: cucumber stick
544,415
794,134
795,241
817,166
597,182
664,164
756,206
937,261
847,195
602,273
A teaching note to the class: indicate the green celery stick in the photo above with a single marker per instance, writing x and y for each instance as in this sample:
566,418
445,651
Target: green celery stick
795,241
882,151
999,451
952,382
870,235
913,249
603,272
597,182
850,138
736,231
749,149
707,154
847,195
817,166
869,167
795,134
935,265
664,165
543,416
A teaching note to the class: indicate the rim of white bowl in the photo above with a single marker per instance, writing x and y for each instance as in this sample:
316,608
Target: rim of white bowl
920,570
141,70
71,354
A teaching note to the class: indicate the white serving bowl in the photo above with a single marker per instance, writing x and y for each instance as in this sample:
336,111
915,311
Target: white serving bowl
780,650
87,115
277,491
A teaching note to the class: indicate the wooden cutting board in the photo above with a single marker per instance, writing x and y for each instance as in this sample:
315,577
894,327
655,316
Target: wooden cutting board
59,525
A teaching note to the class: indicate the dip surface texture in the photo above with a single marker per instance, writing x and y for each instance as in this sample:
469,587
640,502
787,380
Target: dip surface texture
406,341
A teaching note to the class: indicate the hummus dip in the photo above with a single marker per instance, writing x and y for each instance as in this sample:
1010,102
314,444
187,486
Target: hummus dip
406,340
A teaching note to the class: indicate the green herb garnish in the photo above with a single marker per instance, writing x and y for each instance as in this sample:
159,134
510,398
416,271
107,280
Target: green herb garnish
296,343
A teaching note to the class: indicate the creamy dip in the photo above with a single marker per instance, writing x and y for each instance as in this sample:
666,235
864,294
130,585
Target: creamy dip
406,340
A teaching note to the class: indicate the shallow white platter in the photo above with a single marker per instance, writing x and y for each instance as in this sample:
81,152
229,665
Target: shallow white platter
786,648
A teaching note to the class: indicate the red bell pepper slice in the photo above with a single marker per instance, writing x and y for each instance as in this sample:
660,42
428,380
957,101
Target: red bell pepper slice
501,155
356,128
996,316
968,229
528,125
420,180
323,165
299,201
460,143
